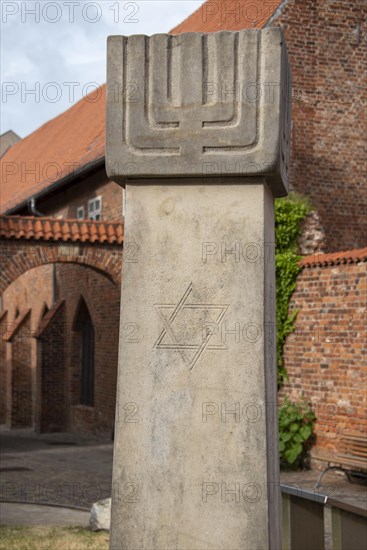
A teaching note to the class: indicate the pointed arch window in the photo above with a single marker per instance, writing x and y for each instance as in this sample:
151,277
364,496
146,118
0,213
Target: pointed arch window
84,326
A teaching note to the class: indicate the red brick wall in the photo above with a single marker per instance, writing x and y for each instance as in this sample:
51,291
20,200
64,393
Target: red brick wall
102,298
327,49
33,289
66,201
326,356
51,371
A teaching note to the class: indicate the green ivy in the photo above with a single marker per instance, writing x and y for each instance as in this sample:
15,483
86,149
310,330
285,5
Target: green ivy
296,425
289,215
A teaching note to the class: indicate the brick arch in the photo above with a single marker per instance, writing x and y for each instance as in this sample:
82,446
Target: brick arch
100,259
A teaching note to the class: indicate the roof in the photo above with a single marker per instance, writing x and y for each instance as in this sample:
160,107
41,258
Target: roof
56,150
229,15
50,229
76,139
336,258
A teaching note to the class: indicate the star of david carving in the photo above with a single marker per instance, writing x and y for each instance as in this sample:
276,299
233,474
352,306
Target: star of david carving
191,346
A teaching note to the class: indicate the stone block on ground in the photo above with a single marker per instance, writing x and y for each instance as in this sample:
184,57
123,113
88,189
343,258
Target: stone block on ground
100,515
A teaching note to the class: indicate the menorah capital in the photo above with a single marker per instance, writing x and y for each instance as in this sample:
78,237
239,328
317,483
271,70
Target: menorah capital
199,105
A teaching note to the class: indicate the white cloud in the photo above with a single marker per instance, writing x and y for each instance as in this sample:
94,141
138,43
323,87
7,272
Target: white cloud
36,51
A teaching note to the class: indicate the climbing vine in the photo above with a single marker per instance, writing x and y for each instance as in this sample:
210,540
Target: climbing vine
289,215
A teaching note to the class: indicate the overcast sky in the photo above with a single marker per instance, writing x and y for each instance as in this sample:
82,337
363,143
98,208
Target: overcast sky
58,50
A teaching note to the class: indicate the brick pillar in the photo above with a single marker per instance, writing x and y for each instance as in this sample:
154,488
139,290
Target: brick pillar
51,383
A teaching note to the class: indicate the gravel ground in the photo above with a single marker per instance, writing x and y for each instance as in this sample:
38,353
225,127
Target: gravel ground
67,470
54,469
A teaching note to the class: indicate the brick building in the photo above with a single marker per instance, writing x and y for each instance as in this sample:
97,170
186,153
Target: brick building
58,173
60,284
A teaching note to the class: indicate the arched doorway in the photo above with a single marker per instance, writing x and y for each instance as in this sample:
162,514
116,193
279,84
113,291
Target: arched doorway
69,344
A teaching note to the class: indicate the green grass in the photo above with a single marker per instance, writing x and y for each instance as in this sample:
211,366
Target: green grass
51,538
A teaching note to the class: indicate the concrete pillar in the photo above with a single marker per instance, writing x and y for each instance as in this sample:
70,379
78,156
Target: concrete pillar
198,133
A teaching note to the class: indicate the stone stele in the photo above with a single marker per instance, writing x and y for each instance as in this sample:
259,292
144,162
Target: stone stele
196,460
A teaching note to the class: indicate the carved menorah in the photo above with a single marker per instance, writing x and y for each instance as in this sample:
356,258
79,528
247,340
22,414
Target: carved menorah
170,116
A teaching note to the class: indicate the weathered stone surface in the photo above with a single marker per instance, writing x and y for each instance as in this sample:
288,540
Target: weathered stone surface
195,462
100,515
199,105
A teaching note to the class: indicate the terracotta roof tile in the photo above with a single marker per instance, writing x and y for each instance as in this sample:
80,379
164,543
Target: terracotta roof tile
229,15
335,258
49,229
57,230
